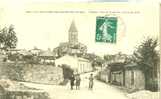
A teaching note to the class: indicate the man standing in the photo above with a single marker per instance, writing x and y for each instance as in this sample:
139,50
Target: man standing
91,82
78,80
72,79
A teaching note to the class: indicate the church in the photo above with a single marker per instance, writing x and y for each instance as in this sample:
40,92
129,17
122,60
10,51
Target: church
70,53
73,46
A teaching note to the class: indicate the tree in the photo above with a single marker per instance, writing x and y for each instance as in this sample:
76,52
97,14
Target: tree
95,59
8,38
110,58
3,33
118,57
148,59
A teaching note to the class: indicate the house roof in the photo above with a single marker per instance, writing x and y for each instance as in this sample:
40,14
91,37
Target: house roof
116,66
122,66
83,59
15,49
47,53
75,57
131,65
24,52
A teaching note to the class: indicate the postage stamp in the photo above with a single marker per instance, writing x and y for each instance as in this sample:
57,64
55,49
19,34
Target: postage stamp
106,29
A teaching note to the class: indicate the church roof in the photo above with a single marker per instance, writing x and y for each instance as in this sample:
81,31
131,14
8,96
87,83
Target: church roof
73,27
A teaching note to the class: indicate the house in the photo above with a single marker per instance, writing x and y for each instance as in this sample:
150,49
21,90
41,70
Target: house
47,57
35,51
116,75
127,75
79,65
22,52
25,53
134,77
14,51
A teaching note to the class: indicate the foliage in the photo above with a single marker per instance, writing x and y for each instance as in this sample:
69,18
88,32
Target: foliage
146,54
8,38
95,59
119,57
109,57
148,59
28,58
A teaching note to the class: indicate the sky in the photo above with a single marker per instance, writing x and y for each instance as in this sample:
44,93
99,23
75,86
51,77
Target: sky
47,30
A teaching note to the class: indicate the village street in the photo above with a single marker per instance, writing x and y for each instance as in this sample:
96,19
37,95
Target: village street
100,91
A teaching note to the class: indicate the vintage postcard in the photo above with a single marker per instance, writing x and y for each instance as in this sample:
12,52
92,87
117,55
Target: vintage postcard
77,50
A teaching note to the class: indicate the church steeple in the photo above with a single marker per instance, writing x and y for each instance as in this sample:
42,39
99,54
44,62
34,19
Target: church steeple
73,27
73,33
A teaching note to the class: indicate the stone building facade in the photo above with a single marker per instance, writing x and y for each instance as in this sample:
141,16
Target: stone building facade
128,75
134,77
79,65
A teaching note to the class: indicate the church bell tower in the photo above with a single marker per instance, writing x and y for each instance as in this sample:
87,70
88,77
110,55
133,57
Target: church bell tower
73,34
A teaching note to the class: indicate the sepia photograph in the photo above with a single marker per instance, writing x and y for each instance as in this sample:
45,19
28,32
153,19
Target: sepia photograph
77,50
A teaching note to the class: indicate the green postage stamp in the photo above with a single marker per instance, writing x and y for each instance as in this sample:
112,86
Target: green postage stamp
106,29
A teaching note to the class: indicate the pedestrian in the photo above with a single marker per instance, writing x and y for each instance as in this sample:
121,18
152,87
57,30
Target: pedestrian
72,79
78,80
91,82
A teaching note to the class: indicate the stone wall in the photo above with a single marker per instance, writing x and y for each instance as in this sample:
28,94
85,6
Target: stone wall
45,74
24,95
15,90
